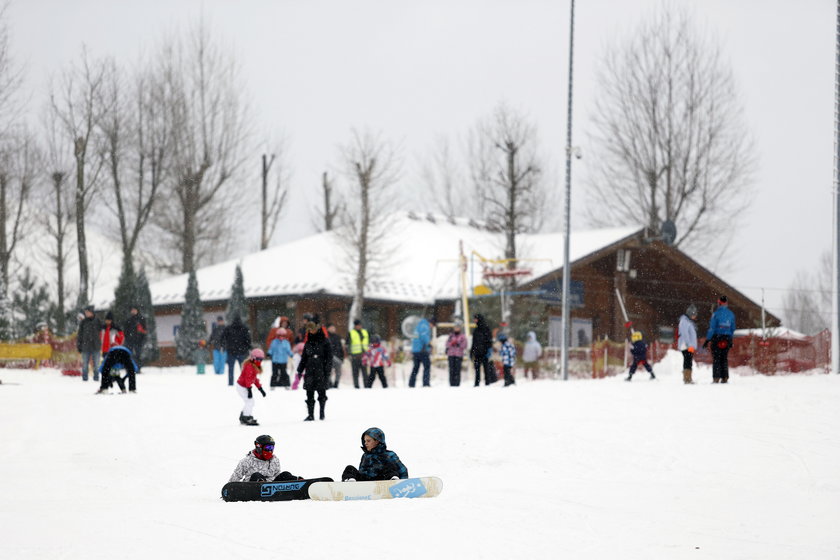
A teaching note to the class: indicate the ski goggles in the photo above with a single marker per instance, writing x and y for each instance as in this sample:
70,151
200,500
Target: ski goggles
269,447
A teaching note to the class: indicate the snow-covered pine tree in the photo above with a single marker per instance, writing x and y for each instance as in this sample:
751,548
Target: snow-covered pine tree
126,293
30,305
236,303
151,351
192,323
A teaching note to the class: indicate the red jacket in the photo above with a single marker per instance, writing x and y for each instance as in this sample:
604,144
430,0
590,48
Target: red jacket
250,374
110,336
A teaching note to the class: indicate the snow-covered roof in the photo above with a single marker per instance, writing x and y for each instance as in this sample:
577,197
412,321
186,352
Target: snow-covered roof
772,332
419,267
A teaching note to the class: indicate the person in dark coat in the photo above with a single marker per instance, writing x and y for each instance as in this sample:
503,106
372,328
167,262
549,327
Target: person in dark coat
337,353
482,344
236,340
135,333
378,462
118,357
719,336
316,363
88,342
639,352
219,354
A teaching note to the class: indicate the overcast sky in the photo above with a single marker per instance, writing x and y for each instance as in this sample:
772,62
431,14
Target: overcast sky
415,70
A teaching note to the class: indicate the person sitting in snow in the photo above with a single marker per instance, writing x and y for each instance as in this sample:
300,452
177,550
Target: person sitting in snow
251,369
639,352
118,358
378,462
260,464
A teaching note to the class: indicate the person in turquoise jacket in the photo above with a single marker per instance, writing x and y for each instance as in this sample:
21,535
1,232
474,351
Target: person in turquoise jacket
719,337
280,352
420,349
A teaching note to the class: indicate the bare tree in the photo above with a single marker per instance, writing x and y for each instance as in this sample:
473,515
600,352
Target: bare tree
11,75
807,303
670,142
444,179
329,217
19,164
508,176
273,198
372,167
207,143
78,104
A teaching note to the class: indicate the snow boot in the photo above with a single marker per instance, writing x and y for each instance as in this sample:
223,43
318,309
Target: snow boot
629,377
652,376
687,377
251,421
310,407
323,405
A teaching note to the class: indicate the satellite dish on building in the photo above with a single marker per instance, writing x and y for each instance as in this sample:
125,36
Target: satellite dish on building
409,326
669,232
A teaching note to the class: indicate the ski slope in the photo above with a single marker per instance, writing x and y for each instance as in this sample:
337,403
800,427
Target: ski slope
545,469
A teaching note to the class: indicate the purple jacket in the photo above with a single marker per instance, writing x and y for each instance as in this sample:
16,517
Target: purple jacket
456,345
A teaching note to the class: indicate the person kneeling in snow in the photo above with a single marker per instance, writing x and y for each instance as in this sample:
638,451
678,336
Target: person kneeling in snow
378,463
117,358
261,464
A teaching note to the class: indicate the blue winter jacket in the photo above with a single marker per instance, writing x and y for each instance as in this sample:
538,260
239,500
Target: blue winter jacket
380,463
639,351
508,353
280,351
722,323
420,343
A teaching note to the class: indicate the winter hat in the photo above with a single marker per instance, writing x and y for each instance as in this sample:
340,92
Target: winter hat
220,318
89,308
691,311
502,337
722,300
636,336
109,316
257,354
264,447
357,322
376,434
281,332
375,339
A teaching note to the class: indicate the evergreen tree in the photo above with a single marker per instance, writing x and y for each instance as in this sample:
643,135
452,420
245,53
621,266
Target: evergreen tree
236,303
126,293
192,328
30,305
151,351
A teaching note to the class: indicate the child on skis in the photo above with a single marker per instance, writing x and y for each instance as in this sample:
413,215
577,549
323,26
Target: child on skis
251,369
639,352
508,354
377,358
280,351
378,462
260,464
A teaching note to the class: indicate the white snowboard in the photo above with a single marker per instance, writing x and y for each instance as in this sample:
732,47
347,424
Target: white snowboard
424,487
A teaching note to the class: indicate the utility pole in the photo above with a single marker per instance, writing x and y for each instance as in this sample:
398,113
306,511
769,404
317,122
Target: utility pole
567,274
266,166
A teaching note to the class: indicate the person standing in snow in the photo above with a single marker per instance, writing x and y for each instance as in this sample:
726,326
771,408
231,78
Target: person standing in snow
531,356
260,464
638,350
315,364
251,370
135,333
280,351
236,340
358,341
687,340
118,357
378,462
219,354
110,334
482,345
88,342
421,347
377,359
508,354
719,336
337,352
456,345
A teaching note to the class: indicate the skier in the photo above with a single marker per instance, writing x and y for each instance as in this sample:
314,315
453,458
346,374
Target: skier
687,340
639,352
721,331
377,358
508,355
378,462
251,369
316,363
118,357
260,464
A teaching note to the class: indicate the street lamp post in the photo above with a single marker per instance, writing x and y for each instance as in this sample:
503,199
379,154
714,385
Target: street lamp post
565,329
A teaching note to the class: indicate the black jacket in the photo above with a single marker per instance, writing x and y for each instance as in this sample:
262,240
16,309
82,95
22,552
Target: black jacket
335,344
135,331
87,338
482,339
316,360
236,339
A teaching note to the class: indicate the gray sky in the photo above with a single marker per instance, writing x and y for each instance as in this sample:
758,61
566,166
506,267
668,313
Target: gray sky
417,70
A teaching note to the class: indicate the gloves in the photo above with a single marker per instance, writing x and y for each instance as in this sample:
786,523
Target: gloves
262,391
250,394
691,349
706,344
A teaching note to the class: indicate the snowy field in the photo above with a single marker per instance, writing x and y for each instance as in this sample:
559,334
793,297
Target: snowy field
545,469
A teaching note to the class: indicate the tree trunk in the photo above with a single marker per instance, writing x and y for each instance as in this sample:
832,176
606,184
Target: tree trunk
83,299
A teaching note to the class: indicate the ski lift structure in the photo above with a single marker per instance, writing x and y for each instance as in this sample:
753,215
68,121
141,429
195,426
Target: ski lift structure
494,269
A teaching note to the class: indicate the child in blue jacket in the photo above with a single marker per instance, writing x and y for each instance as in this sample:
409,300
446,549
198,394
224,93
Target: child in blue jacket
280,352
378,462
508,355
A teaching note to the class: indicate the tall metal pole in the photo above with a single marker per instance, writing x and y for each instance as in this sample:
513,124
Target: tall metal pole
835,320
567,274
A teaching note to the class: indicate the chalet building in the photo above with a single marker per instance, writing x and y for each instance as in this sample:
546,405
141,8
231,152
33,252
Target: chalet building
417,272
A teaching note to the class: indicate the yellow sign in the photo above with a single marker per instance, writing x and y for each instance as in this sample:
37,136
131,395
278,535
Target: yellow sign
482,290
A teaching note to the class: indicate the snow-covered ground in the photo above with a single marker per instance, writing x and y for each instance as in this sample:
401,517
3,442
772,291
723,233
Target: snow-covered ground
545,469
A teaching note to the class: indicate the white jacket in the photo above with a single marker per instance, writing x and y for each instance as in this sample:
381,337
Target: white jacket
251,464
533,349
688,334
